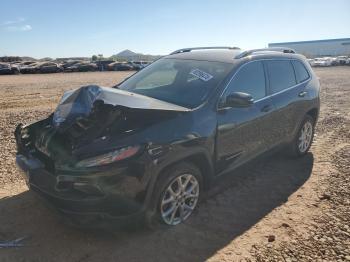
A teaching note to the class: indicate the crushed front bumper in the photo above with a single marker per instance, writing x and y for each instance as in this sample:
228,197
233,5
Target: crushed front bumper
113,208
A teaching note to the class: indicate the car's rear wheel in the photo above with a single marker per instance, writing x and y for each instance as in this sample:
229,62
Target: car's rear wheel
177,194
303,140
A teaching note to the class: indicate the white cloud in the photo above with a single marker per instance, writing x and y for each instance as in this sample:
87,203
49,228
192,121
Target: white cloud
26,28
17,28
16,25
11,22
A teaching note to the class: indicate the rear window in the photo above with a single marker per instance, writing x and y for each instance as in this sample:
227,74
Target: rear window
281,75
300,71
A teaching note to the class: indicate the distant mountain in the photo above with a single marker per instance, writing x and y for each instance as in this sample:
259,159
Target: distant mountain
128,55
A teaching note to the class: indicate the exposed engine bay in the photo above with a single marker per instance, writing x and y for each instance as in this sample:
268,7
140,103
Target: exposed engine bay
88,113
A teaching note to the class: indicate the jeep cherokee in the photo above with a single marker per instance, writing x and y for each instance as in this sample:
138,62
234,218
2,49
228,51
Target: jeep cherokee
149,147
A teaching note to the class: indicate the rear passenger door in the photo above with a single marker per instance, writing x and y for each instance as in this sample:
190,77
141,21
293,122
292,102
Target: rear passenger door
287,90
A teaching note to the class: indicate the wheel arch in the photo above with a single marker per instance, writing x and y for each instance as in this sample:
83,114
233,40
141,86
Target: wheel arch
313,113
200,160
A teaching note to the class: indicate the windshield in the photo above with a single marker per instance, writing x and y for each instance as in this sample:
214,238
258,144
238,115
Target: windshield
185,83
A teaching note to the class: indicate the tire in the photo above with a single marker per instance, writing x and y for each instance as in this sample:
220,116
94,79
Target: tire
303,139
15,71
180,201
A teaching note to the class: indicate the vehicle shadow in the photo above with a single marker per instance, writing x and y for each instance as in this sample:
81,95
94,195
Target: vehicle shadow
236,203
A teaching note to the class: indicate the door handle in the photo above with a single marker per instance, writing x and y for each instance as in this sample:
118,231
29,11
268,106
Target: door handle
266,108
302,93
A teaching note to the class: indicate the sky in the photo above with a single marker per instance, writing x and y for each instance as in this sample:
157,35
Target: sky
65,28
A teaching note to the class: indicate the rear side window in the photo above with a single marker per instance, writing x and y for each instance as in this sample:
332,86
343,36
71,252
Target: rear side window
300,71
281,75
250,79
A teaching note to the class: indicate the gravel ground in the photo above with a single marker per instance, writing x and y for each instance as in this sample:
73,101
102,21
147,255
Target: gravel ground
275,209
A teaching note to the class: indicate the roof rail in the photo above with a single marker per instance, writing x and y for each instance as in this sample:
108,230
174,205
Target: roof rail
183,50
273,49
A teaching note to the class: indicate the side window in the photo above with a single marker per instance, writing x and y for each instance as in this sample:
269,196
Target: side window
250,79
281,75
300,71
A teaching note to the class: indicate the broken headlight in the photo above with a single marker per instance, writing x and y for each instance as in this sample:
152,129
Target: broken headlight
108,158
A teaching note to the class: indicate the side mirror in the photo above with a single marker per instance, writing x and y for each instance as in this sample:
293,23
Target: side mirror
239,99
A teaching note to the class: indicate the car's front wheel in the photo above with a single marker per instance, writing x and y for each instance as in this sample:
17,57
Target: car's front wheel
179,199
177,193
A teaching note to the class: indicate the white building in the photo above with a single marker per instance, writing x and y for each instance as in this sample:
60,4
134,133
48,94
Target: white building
315,48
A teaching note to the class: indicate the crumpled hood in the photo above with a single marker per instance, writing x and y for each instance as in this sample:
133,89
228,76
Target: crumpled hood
80,102
91,115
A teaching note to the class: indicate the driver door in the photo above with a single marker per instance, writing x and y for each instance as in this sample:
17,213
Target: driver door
243,132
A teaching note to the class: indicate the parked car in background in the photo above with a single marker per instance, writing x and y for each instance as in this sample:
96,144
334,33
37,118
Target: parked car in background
139,64
341,60
40,67
149,148
120,66
30,68
102,65
134,65
72,67
8,69
347,61
86,67
69,63
48,67
311,61
82,67
333,60
323,62
26,63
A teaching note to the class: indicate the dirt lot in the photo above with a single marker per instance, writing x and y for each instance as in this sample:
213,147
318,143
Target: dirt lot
303,205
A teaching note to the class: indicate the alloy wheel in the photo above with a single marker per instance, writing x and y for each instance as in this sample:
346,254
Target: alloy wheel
305,137
179,199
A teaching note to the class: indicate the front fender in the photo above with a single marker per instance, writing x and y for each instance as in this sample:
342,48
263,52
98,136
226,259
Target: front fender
191,150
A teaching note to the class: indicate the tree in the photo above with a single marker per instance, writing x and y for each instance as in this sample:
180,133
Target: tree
94,58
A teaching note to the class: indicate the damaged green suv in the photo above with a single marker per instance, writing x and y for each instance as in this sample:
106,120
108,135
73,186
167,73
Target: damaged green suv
149,147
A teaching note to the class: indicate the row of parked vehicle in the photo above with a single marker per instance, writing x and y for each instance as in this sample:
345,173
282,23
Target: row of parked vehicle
329,61
33,67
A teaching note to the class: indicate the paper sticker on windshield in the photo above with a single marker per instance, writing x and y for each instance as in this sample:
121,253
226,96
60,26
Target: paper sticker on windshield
201,75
